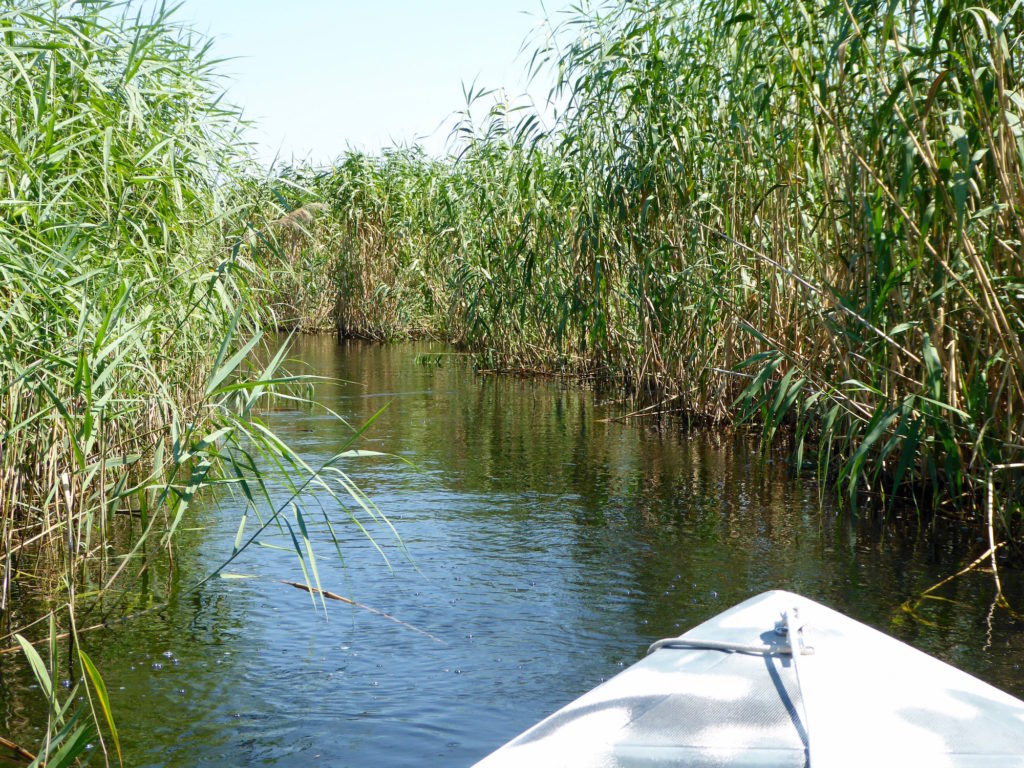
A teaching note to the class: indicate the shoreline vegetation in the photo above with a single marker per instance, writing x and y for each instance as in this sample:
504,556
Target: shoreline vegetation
804,217
142,257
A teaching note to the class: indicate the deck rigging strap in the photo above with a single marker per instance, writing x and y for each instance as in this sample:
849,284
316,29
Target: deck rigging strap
683,643
790,626
795,632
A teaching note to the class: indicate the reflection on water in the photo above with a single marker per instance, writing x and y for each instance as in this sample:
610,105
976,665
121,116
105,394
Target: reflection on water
543,546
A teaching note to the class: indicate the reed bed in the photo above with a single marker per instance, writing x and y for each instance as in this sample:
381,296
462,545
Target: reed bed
798,215
142,253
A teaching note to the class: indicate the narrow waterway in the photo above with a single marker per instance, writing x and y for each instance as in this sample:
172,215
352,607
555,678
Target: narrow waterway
542,548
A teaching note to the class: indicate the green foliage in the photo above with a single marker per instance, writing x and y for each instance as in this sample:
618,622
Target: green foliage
141,255
67,732
799,214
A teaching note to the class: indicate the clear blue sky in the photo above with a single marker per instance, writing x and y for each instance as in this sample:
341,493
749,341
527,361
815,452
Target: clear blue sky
319,75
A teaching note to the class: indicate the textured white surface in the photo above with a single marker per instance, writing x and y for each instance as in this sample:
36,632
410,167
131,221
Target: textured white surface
870,699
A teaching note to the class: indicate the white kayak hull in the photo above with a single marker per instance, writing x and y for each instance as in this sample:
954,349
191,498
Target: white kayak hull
857,697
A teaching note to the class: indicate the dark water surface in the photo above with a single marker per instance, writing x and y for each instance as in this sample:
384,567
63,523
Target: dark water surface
544,549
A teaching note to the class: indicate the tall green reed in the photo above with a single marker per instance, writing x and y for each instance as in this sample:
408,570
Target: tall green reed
793,214
142,254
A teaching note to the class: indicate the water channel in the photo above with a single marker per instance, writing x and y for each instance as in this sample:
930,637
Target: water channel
543,546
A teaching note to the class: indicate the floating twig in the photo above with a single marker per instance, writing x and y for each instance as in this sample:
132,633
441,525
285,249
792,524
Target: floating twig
333,596
21,752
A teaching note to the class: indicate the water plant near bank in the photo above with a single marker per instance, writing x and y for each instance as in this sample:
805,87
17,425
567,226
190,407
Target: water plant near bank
142,253
770,211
